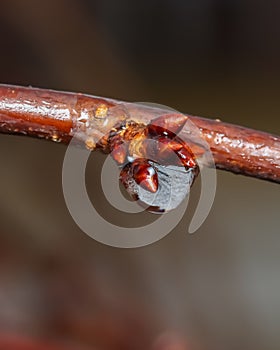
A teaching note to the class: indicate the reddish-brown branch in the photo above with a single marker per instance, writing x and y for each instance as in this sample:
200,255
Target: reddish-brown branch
242,150
58,116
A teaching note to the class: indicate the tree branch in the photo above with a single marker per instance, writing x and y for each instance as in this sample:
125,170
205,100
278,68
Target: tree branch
58,116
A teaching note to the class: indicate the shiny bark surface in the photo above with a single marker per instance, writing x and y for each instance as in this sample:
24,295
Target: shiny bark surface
58,116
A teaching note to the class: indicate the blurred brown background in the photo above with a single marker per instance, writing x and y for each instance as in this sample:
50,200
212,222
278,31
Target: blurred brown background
220,287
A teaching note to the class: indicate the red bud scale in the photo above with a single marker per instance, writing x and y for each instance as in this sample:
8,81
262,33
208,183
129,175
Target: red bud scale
132,139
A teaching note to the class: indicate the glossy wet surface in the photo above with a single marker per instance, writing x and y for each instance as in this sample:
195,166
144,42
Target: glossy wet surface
174,185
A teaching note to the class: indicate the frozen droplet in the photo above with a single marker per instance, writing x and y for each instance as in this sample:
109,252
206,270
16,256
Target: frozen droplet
174,183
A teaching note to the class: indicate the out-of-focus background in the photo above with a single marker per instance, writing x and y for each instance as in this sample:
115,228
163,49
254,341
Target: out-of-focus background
219,288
